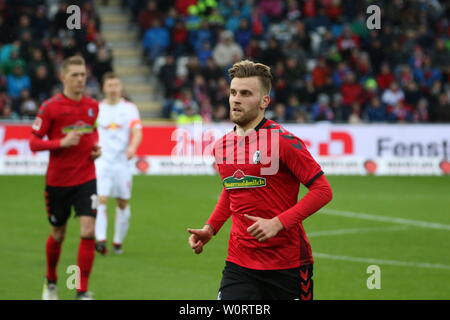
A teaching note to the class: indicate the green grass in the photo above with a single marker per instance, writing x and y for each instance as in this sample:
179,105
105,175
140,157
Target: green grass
158,264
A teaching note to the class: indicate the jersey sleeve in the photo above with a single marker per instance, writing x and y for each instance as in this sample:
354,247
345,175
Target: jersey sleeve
42,122
135,119
295,155
39,130
221,212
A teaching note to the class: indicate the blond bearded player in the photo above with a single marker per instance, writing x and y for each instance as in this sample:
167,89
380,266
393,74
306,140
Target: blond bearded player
269,255
120,131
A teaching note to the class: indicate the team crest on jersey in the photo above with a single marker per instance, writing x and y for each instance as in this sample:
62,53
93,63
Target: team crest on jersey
257,157
239,180
90,112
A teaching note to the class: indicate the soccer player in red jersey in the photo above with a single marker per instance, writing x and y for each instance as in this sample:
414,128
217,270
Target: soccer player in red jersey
262,166
68,121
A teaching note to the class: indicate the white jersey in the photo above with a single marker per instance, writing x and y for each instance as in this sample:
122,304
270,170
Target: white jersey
115,124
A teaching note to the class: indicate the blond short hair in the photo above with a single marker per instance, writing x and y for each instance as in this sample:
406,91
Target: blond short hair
247,69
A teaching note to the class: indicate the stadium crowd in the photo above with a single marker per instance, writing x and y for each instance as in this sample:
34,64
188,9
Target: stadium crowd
327,65
34,39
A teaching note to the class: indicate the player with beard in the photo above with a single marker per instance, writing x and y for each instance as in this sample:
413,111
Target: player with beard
262,166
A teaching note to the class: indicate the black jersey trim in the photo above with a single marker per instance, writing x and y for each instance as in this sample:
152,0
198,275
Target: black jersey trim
310,182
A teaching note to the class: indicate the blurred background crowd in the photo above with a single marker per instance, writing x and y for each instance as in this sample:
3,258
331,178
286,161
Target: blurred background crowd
327,65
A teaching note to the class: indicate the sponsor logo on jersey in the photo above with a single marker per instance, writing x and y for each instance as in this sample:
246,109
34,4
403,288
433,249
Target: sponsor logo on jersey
113,126
239,180
79,126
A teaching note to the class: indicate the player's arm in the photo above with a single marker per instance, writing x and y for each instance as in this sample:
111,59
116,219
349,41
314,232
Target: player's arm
221,213
136,139
96,149
296,157
136,134
40,128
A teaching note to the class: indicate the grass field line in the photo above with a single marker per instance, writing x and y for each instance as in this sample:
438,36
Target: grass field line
382,261
374,217
339,232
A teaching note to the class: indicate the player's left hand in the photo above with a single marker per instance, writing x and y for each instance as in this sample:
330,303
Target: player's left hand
96,152
131,152
264,229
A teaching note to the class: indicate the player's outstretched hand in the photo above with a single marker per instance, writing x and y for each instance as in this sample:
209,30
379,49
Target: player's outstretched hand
96,152
71,139
264,229
199,237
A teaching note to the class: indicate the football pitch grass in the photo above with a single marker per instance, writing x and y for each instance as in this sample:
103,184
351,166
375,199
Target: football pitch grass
400,224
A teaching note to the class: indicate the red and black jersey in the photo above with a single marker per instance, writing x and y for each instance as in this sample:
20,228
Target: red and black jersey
261,175
56,117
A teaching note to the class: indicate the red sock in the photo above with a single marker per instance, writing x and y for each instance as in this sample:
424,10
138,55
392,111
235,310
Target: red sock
86,254
52,251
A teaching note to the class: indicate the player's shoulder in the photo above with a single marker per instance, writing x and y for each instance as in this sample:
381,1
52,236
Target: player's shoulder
52,103
130,105
286,138
90,101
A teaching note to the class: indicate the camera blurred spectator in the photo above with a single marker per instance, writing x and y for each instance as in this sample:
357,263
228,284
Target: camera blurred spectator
227,51
375,110
28,106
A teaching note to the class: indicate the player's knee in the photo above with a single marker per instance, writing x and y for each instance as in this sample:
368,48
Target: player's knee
58,235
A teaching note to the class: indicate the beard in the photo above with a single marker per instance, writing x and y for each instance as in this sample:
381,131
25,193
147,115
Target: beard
244,117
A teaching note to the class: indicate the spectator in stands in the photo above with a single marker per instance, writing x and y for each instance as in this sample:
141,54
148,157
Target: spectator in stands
186,109
375,110
220,113
421,113
5,104
243,34
352,93
17,81
28,106
227,51
102,63
156,41
443,108
179,38
400,112
393,95
386,77
321,111
148,16
42,83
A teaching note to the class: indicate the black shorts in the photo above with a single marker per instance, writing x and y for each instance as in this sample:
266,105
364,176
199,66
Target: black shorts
239,283
59,201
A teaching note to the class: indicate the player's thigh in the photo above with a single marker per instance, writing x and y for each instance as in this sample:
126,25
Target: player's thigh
84,199
123,182
237,284
57,200
105,180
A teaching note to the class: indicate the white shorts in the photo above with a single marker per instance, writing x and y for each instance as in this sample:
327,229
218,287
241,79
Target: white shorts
114,180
